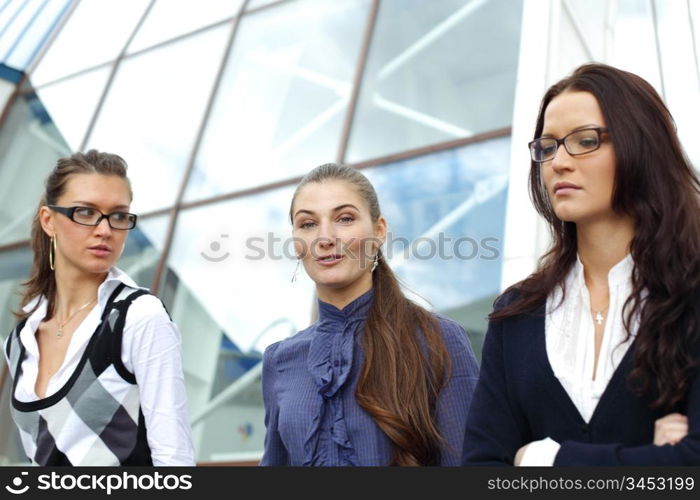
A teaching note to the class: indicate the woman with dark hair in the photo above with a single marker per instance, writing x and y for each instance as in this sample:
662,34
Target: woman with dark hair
377,380
93,385
592,359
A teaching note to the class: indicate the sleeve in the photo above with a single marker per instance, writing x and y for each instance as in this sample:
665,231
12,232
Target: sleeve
275,452
494,428
540,453
151,350
455,398
685,452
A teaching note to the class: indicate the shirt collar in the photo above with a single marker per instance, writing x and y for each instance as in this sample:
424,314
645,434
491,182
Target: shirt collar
357,309
619,274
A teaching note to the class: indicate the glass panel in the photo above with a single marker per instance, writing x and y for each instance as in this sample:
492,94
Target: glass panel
13,31
436,71
72,102
14,268
282,101
231,297
153,111
11,9
42,25
170,18
680,72
446,215
29,146
254,4
95,33
634,43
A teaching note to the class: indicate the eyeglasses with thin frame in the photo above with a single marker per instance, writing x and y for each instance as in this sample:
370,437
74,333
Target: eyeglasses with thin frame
578,142
88,216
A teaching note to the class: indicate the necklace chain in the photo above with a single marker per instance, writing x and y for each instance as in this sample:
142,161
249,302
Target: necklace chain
59,332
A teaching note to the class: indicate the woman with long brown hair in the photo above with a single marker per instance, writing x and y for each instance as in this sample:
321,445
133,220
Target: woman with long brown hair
377,380
95,359
593,359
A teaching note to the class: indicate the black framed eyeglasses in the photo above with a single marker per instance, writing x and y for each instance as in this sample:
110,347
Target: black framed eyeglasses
578,142
88,216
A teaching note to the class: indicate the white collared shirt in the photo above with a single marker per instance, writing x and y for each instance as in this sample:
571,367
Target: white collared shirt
151,350
570,339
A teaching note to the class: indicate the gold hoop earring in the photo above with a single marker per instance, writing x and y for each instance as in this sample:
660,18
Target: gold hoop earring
52,253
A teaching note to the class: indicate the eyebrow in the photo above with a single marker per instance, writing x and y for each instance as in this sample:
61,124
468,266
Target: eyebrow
90,204
336,209
576,129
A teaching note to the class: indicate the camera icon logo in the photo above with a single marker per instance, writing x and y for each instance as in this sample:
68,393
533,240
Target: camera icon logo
17,483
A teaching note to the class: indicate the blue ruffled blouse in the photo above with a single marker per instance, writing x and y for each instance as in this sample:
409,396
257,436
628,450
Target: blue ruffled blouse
309,381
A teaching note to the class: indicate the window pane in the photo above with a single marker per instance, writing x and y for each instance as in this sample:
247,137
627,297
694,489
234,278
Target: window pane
37,31
170,18
446,214
29,148
95,33
232,297
72,102
437,71
283,98
153,111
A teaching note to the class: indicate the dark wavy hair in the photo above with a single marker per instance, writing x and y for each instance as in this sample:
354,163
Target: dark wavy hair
402,374
656,185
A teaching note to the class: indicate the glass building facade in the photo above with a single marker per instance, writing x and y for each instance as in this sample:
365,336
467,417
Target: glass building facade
220,106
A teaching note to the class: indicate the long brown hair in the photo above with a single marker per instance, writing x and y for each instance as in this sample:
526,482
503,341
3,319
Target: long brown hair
656,185
402,373
42,281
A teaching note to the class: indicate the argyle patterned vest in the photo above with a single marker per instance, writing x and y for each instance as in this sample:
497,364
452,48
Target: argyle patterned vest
96,417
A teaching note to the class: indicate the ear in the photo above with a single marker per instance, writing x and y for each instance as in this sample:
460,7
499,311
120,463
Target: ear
46,218
380,228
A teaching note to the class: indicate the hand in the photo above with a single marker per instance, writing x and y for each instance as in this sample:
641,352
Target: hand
519,455
670,429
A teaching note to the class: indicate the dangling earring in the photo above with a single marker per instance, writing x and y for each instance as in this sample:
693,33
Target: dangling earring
52,252
296,271
376,261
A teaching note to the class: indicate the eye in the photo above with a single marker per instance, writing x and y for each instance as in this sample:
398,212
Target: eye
84,212
307,224
120,216
346,219
588,142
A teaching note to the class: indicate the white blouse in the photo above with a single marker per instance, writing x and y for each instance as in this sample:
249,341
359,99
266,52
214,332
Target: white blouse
570,339
151,350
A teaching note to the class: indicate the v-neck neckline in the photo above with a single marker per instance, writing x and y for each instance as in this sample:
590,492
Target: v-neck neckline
557,390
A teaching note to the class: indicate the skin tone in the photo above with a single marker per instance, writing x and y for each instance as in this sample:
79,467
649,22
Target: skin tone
336,239
580,190
84,256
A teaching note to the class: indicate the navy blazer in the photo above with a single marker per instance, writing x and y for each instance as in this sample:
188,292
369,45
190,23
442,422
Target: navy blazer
518,399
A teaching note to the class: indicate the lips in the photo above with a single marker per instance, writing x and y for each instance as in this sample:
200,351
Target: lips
100,250
565,187
328,260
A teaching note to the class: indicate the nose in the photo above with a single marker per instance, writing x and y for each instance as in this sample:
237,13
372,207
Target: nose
103,228
562,159
326,236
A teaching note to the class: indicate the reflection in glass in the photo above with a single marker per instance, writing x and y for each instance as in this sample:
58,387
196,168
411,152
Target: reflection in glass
229,289
30,144
95,33
281,104
170,18
72,102
446,215
437,71
153,110
22,35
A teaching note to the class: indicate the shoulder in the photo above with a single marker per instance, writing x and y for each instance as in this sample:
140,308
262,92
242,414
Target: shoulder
289,347
452,332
